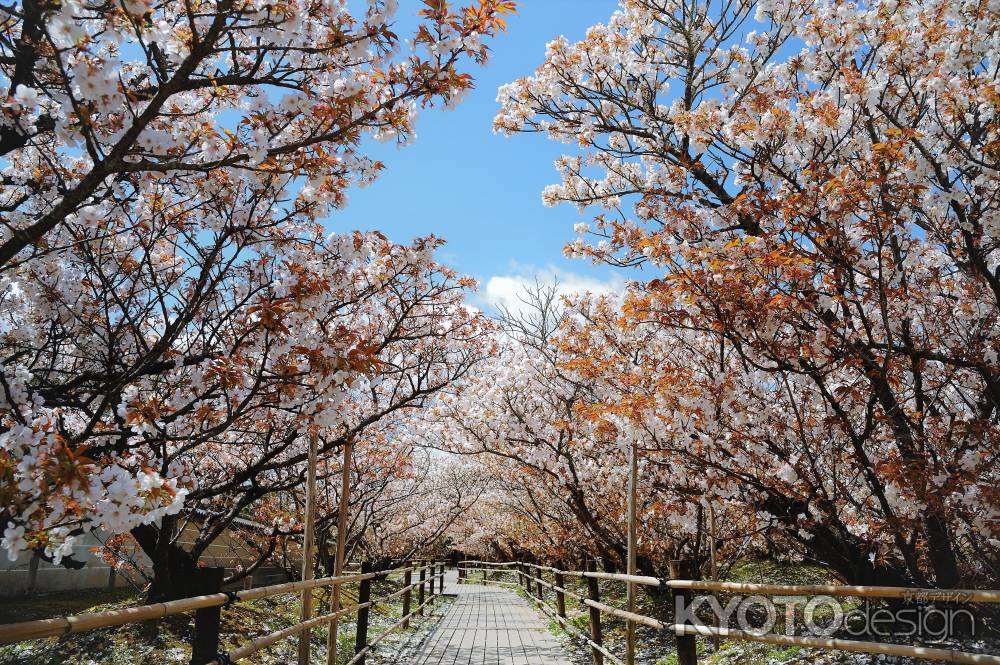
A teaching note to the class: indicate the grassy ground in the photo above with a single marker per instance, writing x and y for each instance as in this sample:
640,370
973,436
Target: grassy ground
168,641
47,605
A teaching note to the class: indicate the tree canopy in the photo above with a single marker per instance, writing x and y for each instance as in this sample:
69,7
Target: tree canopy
806,197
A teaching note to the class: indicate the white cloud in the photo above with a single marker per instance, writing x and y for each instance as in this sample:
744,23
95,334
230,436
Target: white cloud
504,290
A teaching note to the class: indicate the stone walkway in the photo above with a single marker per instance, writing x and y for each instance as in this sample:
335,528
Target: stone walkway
487,625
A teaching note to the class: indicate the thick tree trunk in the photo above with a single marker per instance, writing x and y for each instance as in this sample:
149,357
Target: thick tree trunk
175,571
940,551
837,548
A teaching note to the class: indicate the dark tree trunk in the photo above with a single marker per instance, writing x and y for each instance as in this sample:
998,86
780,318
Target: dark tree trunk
940,551
175,571
836,547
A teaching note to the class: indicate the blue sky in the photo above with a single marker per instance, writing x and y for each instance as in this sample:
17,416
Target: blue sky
479,191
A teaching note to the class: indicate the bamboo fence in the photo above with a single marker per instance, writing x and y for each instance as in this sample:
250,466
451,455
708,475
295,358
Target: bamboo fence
60,626
686,633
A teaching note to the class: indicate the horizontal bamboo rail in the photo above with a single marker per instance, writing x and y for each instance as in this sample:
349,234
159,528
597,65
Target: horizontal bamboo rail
635,579
400,592
284,633
687,631
857,646
601,607
617,577
502,571
275,637
547,585
372,644
622,614
567,626
31,630
608,609
906,593
40,628
498,582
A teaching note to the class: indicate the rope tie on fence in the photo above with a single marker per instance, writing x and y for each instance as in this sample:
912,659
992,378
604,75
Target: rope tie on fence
223,658
231,597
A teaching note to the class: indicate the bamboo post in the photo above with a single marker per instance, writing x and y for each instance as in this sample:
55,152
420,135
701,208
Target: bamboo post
420,589
561,595
594,593
407,581
714,570
338,564
441,572
207,620
33,573
430,575
687,645
538,586
307,549
630,568
364,595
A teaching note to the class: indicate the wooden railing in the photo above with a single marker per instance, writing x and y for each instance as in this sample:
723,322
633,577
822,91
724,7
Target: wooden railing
682,592
686,634
531,577
205,642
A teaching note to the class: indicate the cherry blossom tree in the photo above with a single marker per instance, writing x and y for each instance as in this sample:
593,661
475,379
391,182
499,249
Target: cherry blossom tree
529,417
406,506
409,325
105,100
815,187
174,320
